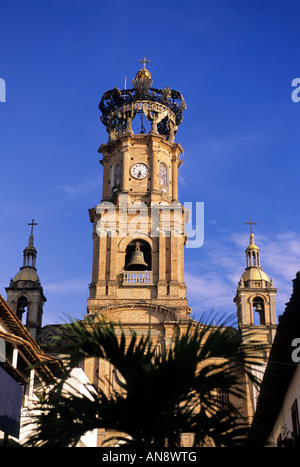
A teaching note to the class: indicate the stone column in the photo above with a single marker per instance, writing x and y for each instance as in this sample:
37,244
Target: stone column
272,308
32,320
267,309
95,266
106,179
126,162
101,279
112,283
174,161
162,283
174,265
244,310
154,165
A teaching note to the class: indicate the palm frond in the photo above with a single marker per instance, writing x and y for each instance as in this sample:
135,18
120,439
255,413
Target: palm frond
163,394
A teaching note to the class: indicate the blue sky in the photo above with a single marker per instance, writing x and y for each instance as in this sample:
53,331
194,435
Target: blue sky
233,61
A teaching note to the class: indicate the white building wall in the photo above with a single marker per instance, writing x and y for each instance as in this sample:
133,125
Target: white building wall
78,383
283,424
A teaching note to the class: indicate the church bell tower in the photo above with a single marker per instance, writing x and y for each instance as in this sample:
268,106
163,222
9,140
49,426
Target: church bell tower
256,314
25,294
138,227
255,296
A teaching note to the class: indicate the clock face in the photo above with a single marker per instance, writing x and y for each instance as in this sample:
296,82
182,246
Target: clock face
139,171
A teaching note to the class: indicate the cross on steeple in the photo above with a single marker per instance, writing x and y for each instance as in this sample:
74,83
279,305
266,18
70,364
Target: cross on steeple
250,223
32,223
144,61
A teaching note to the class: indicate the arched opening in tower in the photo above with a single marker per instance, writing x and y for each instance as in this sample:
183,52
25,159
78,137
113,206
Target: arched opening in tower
258,311
22,309
140,125
138,256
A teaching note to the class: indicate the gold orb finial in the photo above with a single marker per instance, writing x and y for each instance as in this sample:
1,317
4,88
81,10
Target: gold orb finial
143,73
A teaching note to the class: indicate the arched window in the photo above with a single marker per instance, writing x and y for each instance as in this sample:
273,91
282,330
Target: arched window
258,311
21,307
163,176
116,179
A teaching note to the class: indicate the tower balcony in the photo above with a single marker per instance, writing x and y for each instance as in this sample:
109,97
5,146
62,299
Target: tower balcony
137,278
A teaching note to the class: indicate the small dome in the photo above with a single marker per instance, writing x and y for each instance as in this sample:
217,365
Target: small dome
30,248
143,74
252,247
255,274
26,274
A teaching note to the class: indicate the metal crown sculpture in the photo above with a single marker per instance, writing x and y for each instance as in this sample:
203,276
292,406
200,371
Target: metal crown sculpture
162,107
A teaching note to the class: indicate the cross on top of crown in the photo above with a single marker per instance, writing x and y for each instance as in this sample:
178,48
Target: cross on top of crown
144,61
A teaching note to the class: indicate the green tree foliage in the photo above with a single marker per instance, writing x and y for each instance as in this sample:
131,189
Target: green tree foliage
160,395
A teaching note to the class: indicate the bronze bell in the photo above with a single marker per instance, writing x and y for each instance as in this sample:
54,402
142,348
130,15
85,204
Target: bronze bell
258,307
137,262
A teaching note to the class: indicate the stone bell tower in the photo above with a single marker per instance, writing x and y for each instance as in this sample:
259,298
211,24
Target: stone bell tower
138,227
25,293
255,296
138,234
256,314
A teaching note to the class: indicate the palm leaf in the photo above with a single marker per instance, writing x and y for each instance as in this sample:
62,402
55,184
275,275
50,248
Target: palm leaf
163,394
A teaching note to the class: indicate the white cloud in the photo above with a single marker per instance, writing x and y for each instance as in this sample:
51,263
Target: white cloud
182,180
213,290
282,254
80,188
212,282
69,286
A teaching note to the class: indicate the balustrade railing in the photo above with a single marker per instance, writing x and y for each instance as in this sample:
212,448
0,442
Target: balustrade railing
137,278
